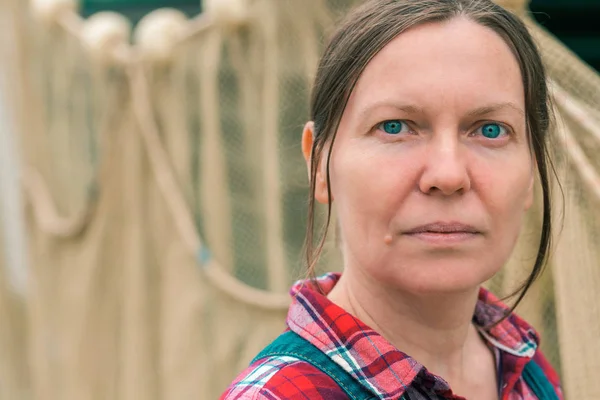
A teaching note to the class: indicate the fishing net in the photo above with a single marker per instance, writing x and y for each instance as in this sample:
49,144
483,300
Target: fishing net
166,198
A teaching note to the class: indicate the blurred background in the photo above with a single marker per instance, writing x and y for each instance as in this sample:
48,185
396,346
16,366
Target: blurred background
153,194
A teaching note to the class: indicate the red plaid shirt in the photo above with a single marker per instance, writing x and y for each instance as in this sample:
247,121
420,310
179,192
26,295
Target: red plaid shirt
373,361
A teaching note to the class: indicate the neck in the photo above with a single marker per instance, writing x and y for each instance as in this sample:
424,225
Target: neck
434,329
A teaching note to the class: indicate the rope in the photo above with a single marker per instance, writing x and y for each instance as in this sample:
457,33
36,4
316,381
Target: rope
71,23
576,155
565,67
177,206
45,212
196,26
576,110
36,189
50,221
213,195
276,263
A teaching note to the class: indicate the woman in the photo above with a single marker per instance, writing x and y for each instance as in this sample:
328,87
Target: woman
429,124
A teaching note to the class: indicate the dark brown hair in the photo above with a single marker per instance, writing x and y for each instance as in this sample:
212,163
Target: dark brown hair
370,27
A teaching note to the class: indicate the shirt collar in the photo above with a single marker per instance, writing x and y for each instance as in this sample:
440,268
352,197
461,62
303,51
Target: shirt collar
372,360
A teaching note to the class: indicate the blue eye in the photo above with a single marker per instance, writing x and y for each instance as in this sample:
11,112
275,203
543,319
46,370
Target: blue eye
493,130
393,127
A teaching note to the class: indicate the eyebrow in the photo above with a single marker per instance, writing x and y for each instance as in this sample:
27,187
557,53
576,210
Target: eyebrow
407,108
494,108
412,109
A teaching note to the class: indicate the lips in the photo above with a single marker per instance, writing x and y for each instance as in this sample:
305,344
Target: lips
443,228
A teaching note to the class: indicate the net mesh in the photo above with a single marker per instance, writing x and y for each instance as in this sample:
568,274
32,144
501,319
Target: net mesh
167,201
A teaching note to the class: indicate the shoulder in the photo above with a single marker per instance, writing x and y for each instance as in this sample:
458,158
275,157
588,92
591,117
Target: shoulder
283,378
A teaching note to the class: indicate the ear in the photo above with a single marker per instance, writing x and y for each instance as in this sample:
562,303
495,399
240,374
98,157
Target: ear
321,194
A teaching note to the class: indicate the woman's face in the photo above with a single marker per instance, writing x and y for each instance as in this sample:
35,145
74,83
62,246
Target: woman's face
431,170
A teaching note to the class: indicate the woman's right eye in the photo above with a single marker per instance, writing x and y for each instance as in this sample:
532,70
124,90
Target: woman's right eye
394,127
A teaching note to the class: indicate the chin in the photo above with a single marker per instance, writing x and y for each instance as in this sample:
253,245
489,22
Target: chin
443,276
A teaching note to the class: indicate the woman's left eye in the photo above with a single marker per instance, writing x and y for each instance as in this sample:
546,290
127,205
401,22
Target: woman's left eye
492,130
394,127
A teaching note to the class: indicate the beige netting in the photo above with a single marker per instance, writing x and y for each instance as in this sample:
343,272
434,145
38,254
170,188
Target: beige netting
166,196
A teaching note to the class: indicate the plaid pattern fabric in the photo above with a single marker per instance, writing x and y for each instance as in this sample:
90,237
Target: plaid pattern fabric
373,361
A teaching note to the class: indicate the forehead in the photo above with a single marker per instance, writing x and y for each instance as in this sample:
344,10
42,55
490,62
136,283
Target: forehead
457,62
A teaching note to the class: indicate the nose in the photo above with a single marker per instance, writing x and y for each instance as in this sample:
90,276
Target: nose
445,169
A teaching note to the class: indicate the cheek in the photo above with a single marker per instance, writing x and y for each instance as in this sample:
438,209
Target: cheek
370,182
356,186
367,176
506,194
